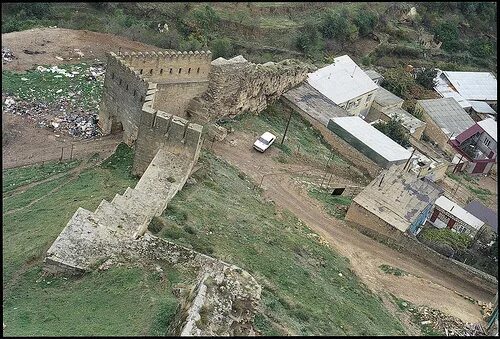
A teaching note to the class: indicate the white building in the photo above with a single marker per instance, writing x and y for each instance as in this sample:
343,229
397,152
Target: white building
346,84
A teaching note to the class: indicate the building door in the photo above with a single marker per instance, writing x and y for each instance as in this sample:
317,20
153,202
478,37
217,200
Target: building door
479,168
434,215
450,224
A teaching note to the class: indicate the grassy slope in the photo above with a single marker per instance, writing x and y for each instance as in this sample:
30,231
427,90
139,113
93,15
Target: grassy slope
302,288
119,301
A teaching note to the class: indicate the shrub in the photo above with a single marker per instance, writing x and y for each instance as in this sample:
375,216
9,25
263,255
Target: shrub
398,81
309,39
425,78
222,47
365,21
336,25
447,32
394,130
481,48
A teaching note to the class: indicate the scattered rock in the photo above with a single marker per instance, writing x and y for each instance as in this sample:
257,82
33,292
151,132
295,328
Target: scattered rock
7,55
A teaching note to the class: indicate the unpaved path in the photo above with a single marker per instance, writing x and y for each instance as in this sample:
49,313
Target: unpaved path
50,43
424,285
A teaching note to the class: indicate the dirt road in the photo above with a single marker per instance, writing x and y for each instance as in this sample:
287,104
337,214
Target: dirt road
41,46
424,285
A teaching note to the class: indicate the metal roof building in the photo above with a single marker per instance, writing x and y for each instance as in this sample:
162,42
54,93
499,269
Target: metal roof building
408,121
385,98
474,85
341,81
482,107
447,114
483,213
369,141
458,212
489,126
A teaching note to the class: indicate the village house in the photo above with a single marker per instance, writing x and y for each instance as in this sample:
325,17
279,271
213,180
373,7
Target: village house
477,147
467,86
483,213
346,84
375,76
481,110
369,141
395,201
445,119
448,214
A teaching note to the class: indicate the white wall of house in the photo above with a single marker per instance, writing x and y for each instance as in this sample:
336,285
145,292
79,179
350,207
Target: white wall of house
486,144
359,106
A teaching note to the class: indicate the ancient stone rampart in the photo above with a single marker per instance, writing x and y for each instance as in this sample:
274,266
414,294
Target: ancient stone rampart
176,77
237,86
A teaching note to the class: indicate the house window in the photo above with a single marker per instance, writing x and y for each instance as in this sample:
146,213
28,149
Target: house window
487,141
369,97
461,229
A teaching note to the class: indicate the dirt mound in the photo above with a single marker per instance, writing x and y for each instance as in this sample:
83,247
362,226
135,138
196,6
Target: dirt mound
55,46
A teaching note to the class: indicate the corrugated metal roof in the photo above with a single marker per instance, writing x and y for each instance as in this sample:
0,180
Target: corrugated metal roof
458,212
374,75
373,138
489,126
447,114
314,104
407,120
469,132
341,81
483,213
385,98
399,199
474,85
482,107
446,90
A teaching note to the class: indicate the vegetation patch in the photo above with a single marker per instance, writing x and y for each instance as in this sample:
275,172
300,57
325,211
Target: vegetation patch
302,289
335,205
392,270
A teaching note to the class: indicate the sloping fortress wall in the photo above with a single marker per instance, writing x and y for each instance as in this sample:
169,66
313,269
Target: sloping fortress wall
236,86
177,77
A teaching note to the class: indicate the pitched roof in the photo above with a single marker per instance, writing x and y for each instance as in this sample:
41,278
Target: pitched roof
407,120
458,212
482,107
341,81
447,114
385,98
483,213
489,126
474,85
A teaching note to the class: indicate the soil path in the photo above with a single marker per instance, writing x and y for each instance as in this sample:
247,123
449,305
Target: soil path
424,285
45,44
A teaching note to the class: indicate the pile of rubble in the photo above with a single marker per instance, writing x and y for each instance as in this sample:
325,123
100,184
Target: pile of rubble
95,73
448,325
58,116
7,55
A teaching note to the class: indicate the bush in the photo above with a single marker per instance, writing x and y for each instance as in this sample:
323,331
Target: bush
309,39
425,78
447,32
222,47
336,24
457,241
394,130
365,21
398,81
481,48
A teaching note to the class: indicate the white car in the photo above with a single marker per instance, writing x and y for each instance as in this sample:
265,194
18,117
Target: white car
264,141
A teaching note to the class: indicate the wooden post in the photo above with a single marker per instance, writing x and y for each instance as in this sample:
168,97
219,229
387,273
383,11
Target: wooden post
62,152
409,159
71,154
286,128
458,163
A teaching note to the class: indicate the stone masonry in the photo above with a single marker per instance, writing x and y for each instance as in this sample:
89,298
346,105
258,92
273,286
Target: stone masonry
237,85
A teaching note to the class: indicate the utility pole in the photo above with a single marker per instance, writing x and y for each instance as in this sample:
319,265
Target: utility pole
286,128
409,158
458,163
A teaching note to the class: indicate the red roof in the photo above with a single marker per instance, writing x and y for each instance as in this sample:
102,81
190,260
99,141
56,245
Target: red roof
468,133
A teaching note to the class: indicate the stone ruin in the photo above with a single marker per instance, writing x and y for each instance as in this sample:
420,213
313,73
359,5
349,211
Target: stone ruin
150,97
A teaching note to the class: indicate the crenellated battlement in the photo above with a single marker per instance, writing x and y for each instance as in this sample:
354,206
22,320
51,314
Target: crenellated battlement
168,56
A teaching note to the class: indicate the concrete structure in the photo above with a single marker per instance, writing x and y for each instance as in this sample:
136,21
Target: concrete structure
466,86
424,167
449,214
445,119
483,213
369,141
376,77
346,84
394,199
482,110
477,147
307,100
